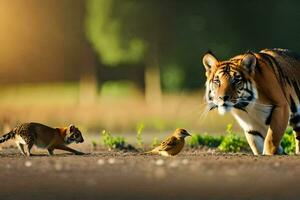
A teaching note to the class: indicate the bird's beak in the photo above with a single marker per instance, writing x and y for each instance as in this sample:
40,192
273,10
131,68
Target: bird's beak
187,134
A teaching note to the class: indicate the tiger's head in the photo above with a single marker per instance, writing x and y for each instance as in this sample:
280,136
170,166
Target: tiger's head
73,135
230,83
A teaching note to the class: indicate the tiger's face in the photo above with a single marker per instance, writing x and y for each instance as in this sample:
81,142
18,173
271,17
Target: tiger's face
230,83
73,135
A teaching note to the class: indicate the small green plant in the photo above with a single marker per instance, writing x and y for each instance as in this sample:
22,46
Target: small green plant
155,142
112,142
139,138
205,140
288,142
232,142
94,144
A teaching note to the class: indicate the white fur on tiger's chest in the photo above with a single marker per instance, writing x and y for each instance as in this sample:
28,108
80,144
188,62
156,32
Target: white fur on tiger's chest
255,118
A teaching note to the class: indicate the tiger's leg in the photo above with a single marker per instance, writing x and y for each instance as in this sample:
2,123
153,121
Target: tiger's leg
255,141
28,148
297,135
50,151
278,124
65,148
21,148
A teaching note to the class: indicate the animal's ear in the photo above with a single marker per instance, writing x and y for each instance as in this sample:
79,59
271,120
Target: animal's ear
72,128
249,62
209,62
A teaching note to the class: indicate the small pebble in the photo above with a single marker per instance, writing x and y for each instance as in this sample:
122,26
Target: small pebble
160,173
277,164
174,164
28,164
185,161
159,162
58,166
100,162
111,161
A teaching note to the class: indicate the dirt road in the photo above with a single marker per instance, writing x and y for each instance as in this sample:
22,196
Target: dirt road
111,175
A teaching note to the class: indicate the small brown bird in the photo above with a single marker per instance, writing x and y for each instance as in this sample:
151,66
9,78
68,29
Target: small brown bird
173,144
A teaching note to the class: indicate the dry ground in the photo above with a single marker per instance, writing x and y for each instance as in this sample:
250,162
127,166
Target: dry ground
193,174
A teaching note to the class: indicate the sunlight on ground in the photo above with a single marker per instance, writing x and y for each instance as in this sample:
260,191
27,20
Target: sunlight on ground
60,104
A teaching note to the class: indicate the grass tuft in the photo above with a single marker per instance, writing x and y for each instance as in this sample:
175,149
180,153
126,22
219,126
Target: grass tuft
205,140
229,143
94,144
112,142
288,142
139,138
232,142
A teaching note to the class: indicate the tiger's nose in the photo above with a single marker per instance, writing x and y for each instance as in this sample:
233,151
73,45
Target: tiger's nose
224,98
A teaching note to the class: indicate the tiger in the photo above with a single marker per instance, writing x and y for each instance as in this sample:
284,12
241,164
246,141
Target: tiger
28,134
262,92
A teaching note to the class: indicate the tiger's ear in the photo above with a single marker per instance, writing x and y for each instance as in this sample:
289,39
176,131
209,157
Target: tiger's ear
209,61
71,127
249,62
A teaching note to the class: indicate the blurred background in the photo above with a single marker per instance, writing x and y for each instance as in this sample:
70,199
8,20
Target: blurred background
117,64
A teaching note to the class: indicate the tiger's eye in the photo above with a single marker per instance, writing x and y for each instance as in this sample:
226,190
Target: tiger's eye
216,80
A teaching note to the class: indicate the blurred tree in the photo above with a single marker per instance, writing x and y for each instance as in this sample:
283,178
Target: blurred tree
135,31
172,35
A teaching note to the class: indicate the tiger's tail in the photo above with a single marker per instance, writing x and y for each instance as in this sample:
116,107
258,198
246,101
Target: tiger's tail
7,136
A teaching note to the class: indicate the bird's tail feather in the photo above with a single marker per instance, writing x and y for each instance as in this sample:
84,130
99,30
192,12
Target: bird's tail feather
153,151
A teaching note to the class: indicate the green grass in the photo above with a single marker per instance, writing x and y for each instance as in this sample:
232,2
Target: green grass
232,142
139,138
116,142
94,144
205,140
288,142
112,142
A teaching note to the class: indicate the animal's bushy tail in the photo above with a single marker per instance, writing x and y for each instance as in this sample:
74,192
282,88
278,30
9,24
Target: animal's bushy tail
7,136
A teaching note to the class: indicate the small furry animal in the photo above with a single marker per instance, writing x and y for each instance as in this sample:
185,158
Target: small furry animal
28,134
173,144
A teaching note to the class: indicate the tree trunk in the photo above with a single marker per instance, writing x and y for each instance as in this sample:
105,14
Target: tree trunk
88,80
153,92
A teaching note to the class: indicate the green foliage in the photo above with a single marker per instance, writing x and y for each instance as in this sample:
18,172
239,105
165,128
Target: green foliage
139,138
288,142
112,142
232,142
94,144
105,32
127,31
229,143
172,78
205,140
